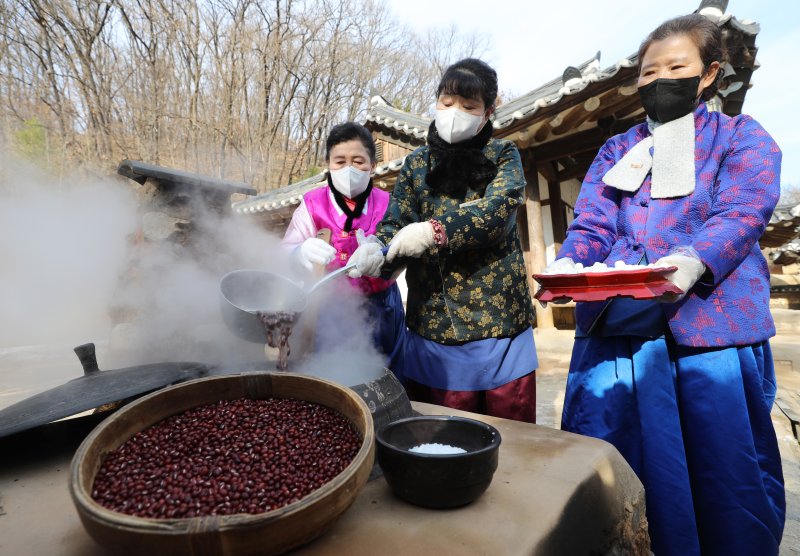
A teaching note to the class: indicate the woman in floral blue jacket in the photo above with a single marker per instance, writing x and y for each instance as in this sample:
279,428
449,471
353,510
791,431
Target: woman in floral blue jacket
683,388
452,222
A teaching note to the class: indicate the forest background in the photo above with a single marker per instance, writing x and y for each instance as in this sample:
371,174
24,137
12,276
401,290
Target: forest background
244,90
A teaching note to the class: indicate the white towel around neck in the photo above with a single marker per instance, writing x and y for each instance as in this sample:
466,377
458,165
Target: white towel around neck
672,162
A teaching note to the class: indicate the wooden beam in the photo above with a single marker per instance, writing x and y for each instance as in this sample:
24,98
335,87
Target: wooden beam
542,133
547,170
575,167
611,108
574,173
533,248
581,142
577,116
613,126
557,216
624,76
571,171
626,111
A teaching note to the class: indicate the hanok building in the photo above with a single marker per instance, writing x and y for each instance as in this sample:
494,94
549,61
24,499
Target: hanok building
781,242
558,127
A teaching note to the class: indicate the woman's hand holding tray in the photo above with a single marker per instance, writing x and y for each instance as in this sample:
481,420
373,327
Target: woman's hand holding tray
645,282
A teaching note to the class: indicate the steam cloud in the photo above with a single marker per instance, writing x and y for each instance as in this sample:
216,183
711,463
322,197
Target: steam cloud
68,261
62,248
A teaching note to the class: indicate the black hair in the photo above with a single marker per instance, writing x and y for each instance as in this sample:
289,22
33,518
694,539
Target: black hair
470,78
704,33
342,133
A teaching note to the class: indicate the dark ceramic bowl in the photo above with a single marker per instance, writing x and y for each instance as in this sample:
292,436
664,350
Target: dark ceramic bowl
438,480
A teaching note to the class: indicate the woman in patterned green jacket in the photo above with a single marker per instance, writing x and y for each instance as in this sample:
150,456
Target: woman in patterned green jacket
452,223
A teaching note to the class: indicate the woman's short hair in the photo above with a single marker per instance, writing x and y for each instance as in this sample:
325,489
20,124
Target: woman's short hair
342,133
470,78
704,33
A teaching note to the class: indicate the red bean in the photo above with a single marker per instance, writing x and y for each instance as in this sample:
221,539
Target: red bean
234,456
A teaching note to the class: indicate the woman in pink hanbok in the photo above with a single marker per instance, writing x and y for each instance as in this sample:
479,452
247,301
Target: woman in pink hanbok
351,208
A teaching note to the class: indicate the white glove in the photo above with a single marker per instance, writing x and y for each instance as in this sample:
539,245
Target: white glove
564,265
368,258
411,241
561,266
690,269
315,251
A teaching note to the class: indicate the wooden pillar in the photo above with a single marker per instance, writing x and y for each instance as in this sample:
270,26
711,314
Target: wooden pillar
549,171
533,246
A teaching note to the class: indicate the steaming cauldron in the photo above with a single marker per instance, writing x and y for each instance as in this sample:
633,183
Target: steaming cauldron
245,292
386,398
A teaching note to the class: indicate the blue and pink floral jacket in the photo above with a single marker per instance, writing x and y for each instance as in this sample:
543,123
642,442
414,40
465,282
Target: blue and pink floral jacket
737,168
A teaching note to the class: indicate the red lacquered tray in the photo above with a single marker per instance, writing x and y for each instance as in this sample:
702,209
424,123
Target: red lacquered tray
639,283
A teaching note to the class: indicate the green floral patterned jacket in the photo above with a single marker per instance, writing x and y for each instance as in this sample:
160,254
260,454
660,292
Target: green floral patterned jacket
475,287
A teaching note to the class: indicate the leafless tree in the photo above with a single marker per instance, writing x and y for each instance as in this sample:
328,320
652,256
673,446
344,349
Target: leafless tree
240,89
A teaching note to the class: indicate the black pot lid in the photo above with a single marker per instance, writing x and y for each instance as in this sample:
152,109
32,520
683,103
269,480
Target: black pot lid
94,389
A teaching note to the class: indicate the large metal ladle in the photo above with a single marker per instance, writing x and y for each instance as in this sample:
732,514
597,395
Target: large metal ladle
245,293
338,272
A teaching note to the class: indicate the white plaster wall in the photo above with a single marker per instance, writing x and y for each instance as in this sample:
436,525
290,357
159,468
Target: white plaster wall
569,193
544,192
547,221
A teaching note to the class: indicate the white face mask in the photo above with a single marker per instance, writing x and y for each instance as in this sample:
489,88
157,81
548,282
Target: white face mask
454,125
350,181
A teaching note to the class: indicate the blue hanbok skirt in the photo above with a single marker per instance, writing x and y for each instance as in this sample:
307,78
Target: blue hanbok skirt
694,424
389,332
477,365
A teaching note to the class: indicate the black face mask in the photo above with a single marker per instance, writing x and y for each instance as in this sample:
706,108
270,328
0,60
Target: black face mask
665,100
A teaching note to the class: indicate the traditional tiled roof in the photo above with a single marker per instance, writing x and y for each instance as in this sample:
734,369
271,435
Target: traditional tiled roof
383,113
786,254
278,198
573,81
782,233
555,90
386,115
291,195
783,227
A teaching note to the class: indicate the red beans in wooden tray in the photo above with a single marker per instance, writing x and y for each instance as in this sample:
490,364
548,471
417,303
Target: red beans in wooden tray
233,456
